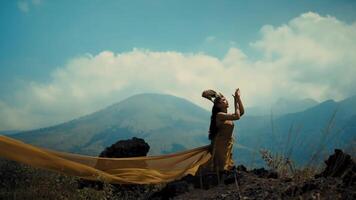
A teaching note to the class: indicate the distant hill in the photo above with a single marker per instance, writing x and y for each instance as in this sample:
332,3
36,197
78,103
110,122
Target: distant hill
299,135
9,132
166,122
170,124
283,106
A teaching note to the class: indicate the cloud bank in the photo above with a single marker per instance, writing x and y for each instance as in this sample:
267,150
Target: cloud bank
25,5
310,56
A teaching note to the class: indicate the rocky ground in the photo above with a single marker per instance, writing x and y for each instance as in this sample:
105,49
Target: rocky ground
337,180
251,186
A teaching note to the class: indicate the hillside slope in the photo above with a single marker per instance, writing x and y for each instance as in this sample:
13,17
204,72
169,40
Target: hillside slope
164,121
170,124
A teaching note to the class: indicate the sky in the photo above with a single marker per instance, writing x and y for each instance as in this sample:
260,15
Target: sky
63,59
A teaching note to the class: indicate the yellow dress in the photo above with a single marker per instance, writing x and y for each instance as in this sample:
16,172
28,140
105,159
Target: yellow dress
221,149
222,146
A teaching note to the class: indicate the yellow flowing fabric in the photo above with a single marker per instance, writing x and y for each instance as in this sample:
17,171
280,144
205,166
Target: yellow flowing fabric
136,170
222,146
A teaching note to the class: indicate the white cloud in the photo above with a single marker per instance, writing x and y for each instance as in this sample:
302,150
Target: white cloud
315,51
311,56
23,6
36,2
210,38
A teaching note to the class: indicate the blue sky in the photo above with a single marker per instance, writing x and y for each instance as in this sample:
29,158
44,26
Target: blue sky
41,37
36,41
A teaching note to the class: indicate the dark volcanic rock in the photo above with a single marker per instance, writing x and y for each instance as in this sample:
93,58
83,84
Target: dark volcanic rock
173,189
126,148
263,173
340,165
122,149
241,168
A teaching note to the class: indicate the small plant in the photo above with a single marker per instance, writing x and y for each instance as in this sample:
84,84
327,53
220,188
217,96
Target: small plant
277,162
285,167
281,162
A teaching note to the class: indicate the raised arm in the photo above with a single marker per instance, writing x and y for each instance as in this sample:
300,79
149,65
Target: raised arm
221,116
239,109
238,99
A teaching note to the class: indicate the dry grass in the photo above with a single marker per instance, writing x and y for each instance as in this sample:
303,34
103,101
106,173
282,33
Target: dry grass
19,181
281,161
277,162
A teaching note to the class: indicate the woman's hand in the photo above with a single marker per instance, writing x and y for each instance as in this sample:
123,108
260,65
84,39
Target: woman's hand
237,93
238,103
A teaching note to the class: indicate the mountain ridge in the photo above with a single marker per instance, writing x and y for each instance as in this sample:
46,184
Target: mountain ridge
166,121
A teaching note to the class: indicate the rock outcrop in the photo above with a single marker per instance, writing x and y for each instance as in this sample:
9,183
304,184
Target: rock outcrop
126,148
134,147
342,166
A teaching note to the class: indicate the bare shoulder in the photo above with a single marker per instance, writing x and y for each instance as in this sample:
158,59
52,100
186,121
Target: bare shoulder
220,116
227,116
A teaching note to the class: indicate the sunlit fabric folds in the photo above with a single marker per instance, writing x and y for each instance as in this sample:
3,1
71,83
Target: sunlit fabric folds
137,170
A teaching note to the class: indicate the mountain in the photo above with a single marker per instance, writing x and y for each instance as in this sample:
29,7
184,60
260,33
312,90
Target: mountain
170,124
9,132
304,136
164,121
283,106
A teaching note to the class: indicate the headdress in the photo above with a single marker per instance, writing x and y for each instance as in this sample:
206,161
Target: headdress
210,94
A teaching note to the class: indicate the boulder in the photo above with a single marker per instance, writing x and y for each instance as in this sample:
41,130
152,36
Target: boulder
340,165
126,148
134,147
263,173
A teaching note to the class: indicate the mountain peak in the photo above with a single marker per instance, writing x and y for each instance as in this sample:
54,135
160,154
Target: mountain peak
156,103
161,119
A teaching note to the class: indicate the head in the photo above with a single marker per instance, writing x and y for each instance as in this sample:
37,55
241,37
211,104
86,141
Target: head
221,103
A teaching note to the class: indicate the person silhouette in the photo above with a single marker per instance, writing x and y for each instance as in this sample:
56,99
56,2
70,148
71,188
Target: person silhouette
221,129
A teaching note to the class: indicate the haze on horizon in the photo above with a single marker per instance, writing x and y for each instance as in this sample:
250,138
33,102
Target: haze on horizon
61,59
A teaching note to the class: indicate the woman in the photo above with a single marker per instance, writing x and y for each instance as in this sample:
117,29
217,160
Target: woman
221,129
